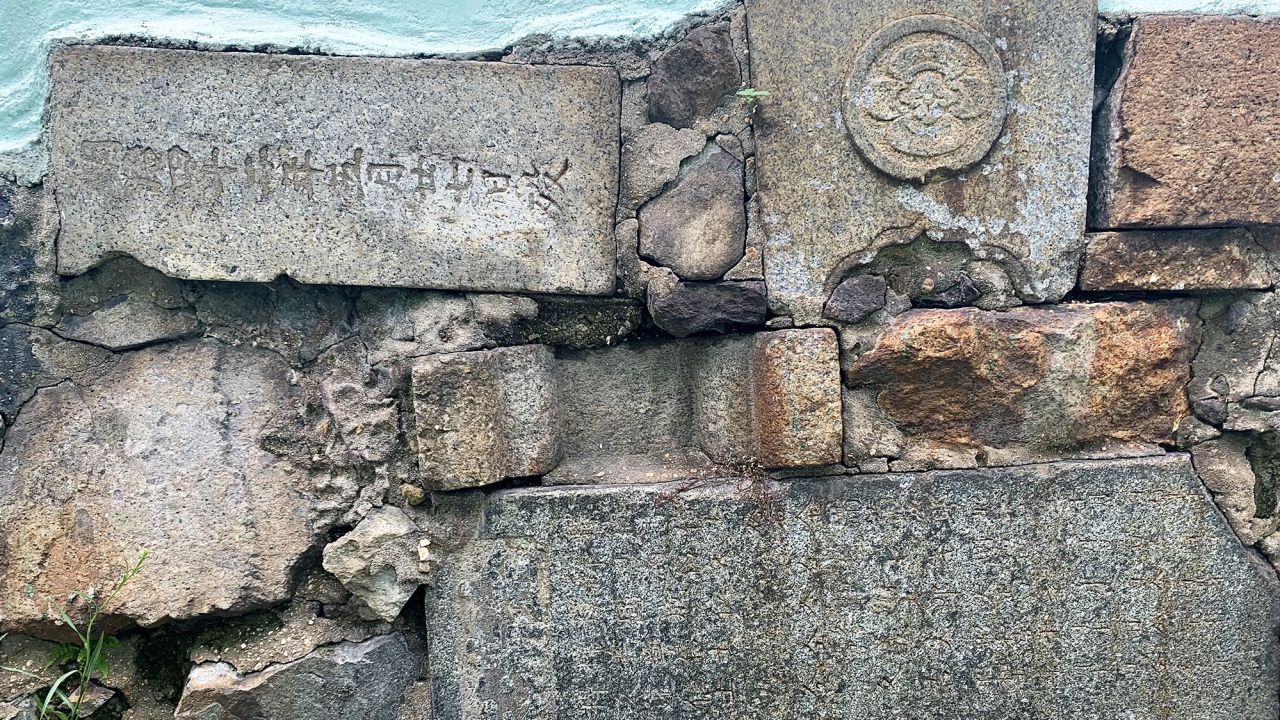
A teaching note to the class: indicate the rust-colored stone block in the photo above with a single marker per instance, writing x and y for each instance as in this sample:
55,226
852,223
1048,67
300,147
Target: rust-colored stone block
1218,259
1190,133
797,398
970,387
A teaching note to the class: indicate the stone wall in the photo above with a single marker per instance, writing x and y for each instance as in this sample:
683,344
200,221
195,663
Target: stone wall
572,382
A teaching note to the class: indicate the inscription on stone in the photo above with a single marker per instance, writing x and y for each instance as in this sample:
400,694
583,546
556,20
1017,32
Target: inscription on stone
927,94
1069,591
236,166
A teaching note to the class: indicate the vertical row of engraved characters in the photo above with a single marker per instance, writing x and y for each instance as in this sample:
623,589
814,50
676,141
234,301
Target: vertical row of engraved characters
177,173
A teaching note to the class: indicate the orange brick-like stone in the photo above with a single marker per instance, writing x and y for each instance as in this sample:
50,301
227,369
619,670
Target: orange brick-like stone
1190,134
799,420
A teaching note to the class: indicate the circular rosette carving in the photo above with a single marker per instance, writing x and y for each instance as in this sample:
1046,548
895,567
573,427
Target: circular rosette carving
927,96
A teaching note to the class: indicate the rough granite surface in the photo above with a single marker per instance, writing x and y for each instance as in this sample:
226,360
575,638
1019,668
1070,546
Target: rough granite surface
1190,133
353,171
1072,591
161,453
862,145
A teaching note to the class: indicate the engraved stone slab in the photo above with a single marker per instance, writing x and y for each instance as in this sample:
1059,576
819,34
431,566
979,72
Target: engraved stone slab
359,171
889,120
1069,591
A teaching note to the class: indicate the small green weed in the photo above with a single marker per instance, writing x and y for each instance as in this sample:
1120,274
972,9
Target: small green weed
753,95
85,658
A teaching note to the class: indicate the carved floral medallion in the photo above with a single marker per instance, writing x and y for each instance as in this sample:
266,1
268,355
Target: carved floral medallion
927,96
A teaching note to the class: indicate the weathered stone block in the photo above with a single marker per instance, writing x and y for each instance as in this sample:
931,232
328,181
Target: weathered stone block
484,416
1174,260
972,387
689,308
163,453
797,398
647,412
1191,129
691,79
967,124
1072,591
357,171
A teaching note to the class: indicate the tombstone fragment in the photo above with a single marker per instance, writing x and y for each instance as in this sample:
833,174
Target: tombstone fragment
969,123
353,171
1071,590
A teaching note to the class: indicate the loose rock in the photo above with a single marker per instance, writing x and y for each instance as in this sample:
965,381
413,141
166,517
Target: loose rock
378,561
698,228
693,78
684,309
855,299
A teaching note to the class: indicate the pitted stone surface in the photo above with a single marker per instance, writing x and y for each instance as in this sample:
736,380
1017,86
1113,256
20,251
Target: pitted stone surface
1218,259
1190,132
354,171
872,115
163,453
1070,591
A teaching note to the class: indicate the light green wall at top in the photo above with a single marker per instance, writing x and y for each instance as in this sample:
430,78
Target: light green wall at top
382,27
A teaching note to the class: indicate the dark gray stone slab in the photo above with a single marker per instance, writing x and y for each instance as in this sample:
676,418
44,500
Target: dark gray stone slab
354,171
965,121
1081,590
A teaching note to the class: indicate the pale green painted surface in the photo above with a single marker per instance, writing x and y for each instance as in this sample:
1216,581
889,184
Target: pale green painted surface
364,27
368,27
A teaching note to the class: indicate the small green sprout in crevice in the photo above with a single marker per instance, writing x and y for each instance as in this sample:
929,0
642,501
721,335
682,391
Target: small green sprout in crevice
84,659
752,95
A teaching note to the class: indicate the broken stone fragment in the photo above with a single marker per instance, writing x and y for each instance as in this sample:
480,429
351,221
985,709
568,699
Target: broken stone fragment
651,158
968,386
1219,259
484,416
694,77
378,561
797,398
33,358
1236,359
162,452
684,308
856,298
121,304
1226,465
1189,133
337,682
257,641
698,227
28,232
